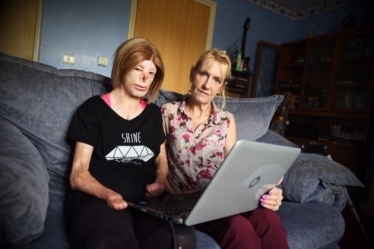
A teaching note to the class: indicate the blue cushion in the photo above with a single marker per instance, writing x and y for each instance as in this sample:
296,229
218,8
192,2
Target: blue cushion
41,100
204,241
252,115
23,187
314,177
55,235
303,224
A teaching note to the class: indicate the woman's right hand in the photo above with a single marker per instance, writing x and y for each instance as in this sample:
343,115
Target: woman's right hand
82,180
115,201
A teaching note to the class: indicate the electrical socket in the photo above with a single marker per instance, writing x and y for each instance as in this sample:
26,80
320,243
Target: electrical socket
102,61
68,59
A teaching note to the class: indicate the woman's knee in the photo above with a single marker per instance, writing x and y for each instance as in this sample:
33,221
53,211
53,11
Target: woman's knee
265,216
231,226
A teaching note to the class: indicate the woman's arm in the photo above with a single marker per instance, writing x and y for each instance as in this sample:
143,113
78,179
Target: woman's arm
161,163
231,136
81,179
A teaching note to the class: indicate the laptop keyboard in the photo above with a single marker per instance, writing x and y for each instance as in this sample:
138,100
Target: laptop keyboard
173,207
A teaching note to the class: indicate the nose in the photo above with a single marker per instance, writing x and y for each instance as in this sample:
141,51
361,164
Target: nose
207,83
144,76
205,86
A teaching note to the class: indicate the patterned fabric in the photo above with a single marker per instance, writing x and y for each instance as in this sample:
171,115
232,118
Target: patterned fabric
193,156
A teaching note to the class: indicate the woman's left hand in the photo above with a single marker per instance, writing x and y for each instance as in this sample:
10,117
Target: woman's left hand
272,200
154,189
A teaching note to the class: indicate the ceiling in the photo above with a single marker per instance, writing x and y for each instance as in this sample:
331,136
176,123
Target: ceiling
298,5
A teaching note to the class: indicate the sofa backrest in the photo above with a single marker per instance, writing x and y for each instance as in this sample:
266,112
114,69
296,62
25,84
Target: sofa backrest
40,101
252,115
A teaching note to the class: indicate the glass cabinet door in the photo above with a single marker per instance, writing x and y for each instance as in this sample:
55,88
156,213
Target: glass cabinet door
355,73
319,74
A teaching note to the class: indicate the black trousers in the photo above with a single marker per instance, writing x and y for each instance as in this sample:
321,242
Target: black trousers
92,224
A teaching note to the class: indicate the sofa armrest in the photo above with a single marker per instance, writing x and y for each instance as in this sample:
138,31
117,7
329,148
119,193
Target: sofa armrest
23,187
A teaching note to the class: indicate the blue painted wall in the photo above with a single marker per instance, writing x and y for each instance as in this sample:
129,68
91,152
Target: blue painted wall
264,25
331,21
83,28
91,28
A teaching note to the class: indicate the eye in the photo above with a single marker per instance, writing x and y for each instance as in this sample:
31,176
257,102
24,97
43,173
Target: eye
218,80
203,74
152,74
138,69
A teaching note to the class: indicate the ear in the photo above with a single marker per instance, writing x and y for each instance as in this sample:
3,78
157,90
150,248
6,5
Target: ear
223,87
192,73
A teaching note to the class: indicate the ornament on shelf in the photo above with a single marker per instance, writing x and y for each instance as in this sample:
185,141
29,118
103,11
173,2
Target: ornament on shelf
311,29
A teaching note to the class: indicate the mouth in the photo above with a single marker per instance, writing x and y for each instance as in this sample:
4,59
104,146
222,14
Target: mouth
202,92
141,88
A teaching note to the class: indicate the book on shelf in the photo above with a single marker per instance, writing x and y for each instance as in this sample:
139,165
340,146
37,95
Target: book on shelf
288,83
345,135
238,84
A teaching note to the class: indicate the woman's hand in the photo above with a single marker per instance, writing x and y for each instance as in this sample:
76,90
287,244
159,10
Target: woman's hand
272,200
154,189
115,201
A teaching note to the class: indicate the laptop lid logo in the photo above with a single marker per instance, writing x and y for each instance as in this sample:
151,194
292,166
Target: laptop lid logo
254,182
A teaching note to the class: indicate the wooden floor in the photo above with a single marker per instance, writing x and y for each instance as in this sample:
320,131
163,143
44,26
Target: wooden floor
353,237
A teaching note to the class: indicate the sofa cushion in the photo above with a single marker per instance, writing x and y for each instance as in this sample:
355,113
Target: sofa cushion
55,235
23,187
41,100
314,177
252,115
315,225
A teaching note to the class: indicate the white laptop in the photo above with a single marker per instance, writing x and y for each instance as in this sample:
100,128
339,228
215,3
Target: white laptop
249,171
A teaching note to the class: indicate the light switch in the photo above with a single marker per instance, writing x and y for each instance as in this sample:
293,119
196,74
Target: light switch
103,61
68,59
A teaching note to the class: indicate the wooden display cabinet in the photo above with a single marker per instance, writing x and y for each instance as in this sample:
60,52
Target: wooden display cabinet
240,85
331,81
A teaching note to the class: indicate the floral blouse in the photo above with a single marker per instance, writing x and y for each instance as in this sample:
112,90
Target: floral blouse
193,156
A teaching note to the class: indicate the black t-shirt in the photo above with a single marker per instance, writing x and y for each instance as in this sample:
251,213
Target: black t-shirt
124,152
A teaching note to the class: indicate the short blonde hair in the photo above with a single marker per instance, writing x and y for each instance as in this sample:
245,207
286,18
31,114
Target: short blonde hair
219,56
132,52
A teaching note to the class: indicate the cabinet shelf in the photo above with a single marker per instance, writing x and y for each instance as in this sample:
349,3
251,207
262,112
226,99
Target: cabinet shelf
317,86
356,58
233,90
319,63
352,84
294,66
240,85
335,85
287,87
315,113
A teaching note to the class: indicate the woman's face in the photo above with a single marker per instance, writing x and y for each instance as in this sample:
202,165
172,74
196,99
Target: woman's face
139,79
208,81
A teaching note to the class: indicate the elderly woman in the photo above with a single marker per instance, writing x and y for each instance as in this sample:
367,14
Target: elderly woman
198,137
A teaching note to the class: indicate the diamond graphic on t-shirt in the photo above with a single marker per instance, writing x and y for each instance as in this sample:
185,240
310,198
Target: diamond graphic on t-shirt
129,153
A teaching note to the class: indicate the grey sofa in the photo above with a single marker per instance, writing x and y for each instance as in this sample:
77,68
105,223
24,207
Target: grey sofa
36,105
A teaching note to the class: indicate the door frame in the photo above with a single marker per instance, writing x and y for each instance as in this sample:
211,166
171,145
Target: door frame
212,16
38,30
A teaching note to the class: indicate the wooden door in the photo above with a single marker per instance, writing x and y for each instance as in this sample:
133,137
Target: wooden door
181,30
20,26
